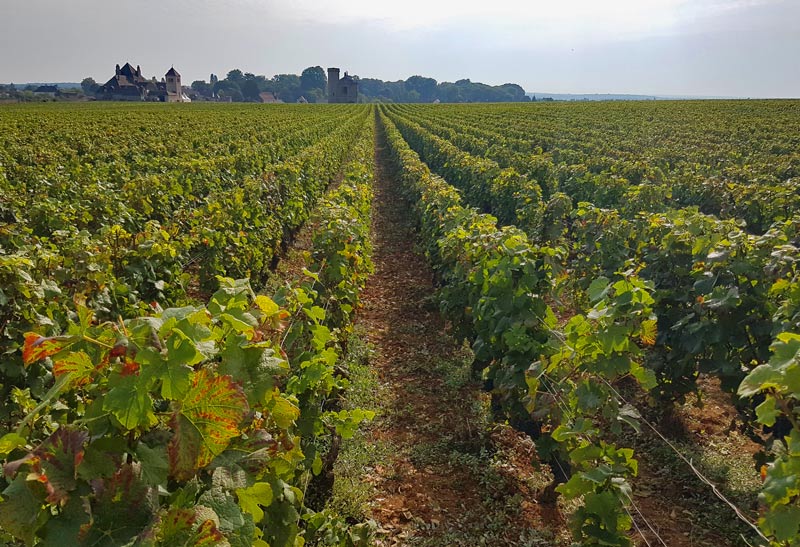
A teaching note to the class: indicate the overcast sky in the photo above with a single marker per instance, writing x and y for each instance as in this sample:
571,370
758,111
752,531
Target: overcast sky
748,48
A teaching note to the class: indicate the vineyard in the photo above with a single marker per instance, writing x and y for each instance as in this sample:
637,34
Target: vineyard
240,325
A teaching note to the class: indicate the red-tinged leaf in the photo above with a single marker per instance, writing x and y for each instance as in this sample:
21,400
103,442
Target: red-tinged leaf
130,368
59,457
122,507
12,468
175,522
78,364
119,350
54,464
206,420
208,535
38,347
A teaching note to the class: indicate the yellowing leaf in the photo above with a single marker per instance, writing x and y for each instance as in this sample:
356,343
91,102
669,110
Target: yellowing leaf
9,442
283,412
204,423
649,331
267,306
79,364
251,499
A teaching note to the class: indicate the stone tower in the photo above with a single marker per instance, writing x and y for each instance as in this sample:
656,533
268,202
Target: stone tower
174,89
341,90
333,81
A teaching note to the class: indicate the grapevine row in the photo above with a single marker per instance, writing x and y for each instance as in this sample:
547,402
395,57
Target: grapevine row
494,287
196,425
725,300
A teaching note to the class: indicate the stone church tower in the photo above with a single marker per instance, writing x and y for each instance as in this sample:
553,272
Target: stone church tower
174,89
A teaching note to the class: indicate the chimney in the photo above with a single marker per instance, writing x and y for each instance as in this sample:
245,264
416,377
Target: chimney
117,69
138,71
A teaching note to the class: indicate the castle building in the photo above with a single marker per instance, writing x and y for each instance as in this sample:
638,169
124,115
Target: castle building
128,84
341,90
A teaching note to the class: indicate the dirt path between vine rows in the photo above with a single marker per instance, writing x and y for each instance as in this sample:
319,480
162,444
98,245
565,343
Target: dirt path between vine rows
447,477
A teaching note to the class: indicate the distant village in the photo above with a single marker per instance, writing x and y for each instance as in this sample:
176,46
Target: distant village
313,85
130,84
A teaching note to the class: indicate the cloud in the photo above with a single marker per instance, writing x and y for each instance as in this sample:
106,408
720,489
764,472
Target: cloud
709,47
533,22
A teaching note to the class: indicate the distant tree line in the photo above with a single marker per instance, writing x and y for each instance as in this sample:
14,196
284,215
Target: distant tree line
241,86
312,83
419,89
27,94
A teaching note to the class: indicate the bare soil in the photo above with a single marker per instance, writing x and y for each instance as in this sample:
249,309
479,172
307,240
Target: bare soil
451,478
681,509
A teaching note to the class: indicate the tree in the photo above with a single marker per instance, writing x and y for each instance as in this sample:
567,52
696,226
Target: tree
426,87
313,78
226,88
286,87
235,75
412,96
89,86
232,92
250,90
202,88
515,92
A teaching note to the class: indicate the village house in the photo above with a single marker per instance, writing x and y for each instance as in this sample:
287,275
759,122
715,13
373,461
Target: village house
341,90
268,97
128,84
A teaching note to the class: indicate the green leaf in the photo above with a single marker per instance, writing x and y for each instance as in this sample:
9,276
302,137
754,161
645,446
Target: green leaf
787,348
585,453
181,349
260,494
767,412
761,377
629,415
783,523
255,366
315,313
205,422
575,487
65,527
130,402
606,506
154,462
348,421
598,289
173,373
590,395
238,527
20,510
239,320
646,377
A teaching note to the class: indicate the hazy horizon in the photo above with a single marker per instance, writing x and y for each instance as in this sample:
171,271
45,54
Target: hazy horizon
736,48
